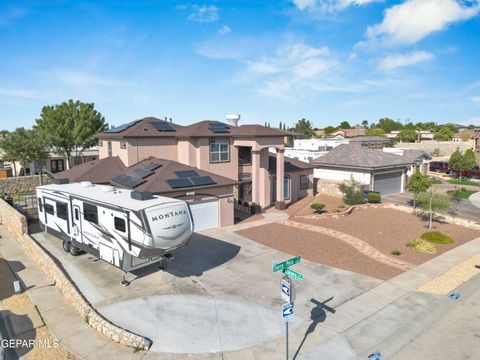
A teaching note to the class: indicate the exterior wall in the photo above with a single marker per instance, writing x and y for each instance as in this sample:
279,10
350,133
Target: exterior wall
141,148
303,155
342,175
187,152
116,150
257,143
314,144
328,187
227,169
264,178
445,148
295,192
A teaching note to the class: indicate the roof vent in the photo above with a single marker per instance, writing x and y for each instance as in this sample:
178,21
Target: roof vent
61,181
141,195
233,119
86,184
107,188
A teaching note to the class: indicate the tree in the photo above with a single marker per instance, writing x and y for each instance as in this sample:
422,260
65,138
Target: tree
303,128
69,127
329,129
407,135
365,123
458,162
469,158
389,125
265,124
465,135
443,134
433,201
24,145
418,183
375,132
345,125
284,127
280,125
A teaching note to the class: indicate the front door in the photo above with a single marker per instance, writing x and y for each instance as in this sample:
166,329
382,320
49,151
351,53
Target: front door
77,224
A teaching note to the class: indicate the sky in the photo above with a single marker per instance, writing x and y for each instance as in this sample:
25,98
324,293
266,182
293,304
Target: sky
269,61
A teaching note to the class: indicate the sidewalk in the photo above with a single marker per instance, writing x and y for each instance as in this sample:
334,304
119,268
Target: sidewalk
59,316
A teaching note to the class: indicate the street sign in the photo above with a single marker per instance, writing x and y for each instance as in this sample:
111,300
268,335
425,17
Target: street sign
294,274
285,264
287,312
287,290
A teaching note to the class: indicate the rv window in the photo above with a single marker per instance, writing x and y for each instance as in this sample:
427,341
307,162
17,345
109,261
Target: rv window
49,209
40,205
90,213
119,224
76,214
62,211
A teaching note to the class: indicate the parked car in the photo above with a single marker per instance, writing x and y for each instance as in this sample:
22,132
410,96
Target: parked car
439,166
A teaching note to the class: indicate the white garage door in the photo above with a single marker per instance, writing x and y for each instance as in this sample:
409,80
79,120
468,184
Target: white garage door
389,183
205,214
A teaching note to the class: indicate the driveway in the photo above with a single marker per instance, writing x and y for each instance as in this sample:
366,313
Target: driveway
475,199
219,295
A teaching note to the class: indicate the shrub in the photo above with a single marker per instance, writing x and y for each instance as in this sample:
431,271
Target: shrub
436,237
318,207
352,192
373,197
396,253
421,245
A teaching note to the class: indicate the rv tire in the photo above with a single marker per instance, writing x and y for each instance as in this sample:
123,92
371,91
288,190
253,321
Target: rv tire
67,246
75,251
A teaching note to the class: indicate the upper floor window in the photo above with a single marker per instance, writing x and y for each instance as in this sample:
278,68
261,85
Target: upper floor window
244,155
56,165
123,145
219,150
109,149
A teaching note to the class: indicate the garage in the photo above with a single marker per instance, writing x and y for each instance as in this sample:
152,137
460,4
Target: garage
388,183
205,214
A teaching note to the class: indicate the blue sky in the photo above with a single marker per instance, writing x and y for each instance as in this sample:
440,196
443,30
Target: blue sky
325,60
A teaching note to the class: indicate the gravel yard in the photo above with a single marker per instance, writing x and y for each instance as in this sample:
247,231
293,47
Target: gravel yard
319,248
388,229
302,207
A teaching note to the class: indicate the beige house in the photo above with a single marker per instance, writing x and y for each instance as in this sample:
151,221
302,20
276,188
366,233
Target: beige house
217,167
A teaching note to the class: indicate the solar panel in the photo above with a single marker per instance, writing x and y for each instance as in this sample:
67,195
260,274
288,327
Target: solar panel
202,180
122,127
152,166
179,183
142,173
219,128
186,173
128,180
162,126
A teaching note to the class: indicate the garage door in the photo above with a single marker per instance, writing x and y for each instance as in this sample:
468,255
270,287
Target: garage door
389,183
205,214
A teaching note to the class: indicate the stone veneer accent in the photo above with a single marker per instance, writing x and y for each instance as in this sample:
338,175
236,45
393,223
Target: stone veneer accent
16,224
23,184
328,187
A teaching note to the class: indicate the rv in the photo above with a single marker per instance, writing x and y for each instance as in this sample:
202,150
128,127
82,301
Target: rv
128,229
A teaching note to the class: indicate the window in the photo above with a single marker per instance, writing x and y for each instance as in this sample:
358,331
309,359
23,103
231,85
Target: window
57,165
123,145
76,214
40,205
49,209
303,182
286,187
109,148
219,150
100,142
90,213
119,224
62,211
244,155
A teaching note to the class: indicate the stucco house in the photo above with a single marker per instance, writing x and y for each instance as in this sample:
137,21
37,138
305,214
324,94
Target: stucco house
216,167
348,133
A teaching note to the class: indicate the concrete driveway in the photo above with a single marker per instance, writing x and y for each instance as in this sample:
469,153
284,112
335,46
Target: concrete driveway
218,296
475,199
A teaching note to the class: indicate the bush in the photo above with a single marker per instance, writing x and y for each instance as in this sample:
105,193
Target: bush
373,197
436,237
422,246
318,207
396,253
352,192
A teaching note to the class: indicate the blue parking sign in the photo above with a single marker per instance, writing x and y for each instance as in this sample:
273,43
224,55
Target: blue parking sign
287,312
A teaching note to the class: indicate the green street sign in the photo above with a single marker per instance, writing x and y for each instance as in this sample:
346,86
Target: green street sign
294,274
285,264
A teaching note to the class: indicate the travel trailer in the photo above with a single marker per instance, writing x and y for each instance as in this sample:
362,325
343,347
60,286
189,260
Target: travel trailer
128,229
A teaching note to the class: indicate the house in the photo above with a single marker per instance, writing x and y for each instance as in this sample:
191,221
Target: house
422,135
419,159
375,169
476,139
309,149
216,167
464,135
348,133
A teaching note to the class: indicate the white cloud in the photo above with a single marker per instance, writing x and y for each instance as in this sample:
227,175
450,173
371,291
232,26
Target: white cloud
411,21
329,6
224,30
77,78
261,67
391,62
204,13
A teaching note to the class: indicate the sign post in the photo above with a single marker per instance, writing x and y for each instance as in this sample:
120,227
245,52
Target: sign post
287,290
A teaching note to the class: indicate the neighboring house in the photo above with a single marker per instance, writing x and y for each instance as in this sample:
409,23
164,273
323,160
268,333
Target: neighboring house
464,135
422,135
420,159
309,149
229,166
476,139
375,169
372,142
348,133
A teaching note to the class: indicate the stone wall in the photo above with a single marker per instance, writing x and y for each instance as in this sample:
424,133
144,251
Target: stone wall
22,184
445,148
328,187
16,224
